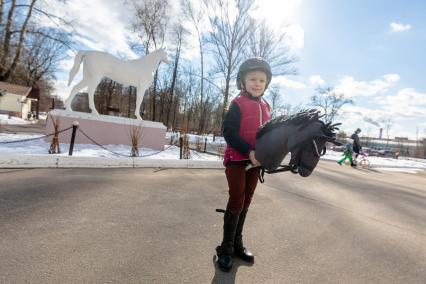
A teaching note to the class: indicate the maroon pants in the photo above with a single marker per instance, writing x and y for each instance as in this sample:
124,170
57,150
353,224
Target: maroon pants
241,185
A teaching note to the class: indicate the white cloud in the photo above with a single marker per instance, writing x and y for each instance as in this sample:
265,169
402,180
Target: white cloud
283,17
316,80
61,88
375,115
351,88
101,25
295,36
284,82
406,103
278,13
371,120
399,27
353,117
391,78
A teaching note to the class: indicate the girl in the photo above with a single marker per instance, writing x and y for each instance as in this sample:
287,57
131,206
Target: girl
247,112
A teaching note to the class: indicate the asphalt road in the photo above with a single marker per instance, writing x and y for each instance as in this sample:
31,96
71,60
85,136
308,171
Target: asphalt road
341,225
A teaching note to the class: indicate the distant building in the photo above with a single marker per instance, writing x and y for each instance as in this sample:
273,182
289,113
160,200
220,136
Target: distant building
403,145
401,138
17,100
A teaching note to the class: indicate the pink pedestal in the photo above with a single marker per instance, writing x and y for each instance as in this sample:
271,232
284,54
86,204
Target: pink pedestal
106,130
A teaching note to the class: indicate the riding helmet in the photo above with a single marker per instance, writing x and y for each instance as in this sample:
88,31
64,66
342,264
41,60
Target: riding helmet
253,64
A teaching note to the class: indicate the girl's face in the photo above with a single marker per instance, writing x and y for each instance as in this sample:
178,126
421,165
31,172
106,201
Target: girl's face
255,83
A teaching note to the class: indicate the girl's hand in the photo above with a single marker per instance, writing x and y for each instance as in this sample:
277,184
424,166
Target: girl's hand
254,162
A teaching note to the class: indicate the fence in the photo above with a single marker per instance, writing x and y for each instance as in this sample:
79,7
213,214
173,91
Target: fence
203,147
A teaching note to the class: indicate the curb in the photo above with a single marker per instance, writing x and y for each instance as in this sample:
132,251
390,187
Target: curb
51,161
59,161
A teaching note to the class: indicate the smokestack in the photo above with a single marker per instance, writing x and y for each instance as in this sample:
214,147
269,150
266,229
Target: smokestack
381,132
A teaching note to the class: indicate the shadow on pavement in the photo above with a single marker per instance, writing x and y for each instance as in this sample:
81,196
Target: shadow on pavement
221,277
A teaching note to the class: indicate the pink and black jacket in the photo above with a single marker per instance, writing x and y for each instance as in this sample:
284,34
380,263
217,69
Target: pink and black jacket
244,117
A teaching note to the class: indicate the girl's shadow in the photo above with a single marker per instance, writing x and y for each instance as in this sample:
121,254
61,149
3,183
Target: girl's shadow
221,277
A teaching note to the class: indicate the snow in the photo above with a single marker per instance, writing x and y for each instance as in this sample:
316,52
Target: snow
40,147
4,119
405,164
405,170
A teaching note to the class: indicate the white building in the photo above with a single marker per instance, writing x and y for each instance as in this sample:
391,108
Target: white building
15,100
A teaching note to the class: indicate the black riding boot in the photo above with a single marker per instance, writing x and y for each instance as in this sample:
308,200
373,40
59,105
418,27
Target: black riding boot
239,249
225,252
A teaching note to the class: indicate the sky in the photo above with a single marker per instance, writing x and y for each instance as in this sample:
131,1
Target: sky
370,51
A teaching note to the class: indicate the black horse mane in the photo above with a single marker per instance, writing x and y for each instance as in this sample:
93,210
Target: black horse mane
302,118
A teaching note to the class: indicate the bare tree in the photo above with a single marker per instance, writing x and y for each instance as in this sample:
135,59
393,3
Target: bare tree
150,23
7,71
15,32
212,109
196,16
265,43
229,37
189,86
43,54
329,102
424,144
130,93
418,150
1,12
274,97
6,33
176,107
22,39
29,53
179,32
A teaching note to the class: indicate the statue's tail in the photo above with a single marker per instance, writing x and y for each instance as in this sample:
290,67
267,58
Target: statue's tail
77,61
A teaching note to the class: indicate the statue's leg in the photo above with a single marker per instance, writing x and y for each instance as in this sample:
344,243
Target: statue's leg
80,85
139,98
91,94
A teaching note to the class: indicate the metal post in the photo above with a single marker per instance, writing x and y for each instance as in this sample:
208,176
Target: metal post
181,146
205,144
74,130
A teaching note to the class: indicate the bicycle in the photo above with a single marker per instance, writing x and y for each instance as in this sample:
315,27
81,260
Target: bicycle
362,160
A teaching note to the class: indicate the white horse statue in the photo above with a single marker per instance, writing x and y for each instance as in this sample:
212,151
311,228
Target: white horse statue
97,64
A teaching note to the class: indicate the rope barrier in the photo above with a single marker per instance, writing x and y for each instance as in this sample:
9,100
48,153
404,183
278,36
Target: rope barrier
152,154
214,146
119,154
101,146
31,139
96,143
